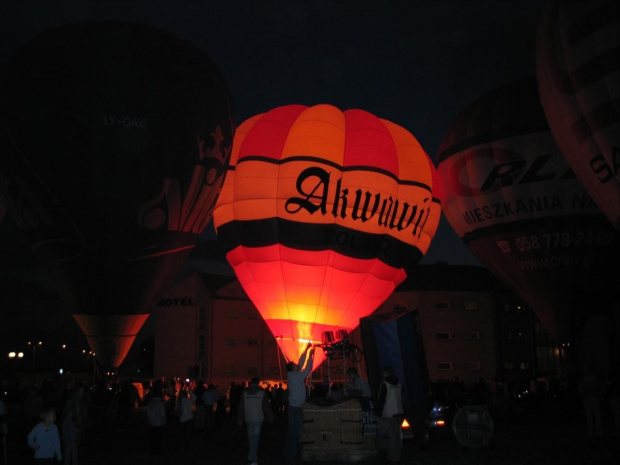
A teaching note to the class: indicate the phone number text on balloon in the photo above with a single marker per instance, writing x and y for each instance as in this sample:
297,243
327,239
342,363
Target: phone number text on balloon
564,239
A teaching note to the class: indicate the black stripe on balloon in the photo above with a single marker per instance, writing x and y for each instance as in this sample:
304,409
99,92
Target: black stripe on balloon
592,223
594,70
589,24
490,137
322,161
597,120
510,111
316,237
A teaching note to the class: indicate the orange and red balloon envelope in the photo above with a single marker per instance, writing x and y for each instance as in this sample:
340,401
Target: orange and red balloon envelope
515,202
124,131
321,213
578,71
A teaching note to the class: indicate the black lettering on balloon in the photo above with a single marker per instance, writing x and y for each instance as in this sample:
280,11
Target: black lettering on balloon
311,202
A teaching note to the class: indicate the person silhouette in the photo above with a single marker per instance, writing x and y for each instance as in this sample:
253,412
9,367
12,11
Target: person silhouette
296,374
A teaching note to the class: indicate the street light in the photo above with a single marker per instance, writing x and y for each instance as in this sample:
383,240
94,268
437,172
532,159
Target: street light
34,352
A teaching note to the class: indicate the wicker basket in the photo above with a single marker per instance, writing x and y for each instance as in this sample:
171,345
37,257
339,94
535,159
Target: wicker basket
336,432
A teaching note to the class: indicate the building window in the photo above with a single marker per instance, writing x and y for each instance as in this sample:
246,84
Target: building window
400,307
201,318
508,366
444,335
471,305
253,316
230,341
472,336
253,342
230,369
444,366
473,366
272,369
444,305
253,370
524,365
231,313
201,346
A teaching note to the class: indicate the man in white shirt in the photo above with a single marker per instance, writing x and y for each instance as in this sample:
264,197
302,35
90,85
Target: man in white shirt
254,408
391,406
297,374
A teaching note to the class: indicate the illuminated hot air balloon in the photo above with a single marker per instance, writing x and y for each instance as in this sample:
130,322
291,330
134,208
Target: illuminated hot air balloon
578,70
321,212
125,132
514,201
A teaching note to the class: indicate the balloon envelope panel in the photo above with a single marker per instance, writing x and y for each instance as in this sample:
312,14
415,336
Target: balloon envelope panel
321,214
126,132
578,70
512,198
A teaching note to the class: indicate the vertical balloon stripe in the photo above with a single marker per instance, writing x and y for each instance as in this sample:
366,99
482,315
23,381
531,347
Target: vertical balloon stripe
369,143
269,133
319,132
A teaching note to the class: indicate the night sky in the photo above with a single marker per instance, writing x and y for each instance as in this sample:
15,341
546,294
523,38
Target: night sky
417,63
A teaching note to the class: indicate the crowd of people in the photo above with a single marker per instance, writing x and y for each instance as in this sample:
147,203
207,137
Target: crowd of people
52,416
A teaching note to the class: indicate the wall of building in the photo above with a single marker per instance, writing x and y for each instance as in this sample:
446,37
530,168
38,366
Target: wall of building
458,331
220,335
176,328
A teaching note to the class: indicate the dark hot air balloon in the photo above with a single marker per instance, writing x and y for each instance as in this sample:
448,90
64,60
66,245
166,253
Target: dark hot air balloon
321,214
578,70
513,199
125,132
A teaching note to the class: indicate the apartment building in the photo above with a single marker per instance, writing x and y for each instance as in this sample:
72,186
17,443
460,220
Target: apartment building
473,327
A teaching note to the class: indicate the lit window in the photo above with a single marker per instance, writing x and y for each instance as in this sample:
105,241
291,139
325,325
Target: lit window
524,365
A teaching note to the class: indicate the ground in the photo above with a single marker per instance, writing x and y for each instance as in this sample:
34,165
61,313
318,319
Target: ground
525,435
